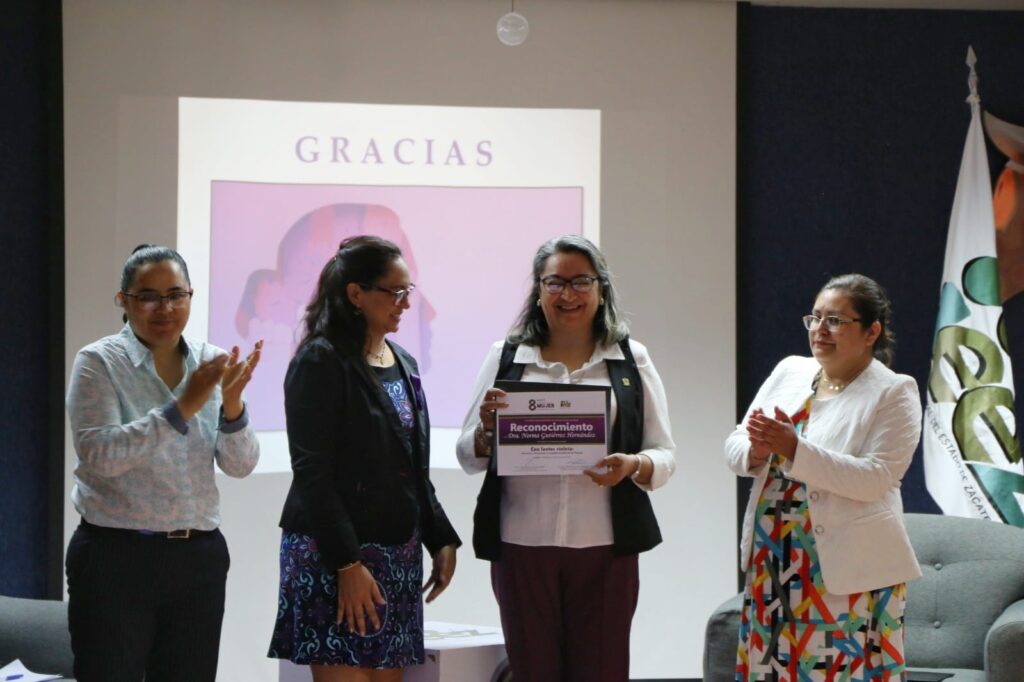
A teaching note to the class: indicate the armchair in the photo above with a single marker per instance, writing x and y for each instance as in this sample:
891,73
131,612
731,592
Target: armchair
964,618
36,631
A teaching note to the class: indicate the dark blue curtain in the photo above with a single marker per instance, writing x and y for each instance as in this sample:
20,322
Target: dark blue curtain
851,127
32,303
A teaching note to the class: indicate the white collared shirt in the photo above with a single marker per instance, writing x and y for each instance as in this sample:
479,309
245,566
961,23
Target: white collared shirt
569,511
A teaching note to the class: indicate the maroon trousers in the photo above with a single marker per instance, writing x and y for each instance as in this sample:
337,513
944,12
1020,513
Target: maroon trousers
566,613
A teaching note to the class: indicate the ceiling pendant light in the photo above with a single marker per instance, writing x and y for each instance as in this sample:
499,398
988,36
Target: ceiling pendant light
513,28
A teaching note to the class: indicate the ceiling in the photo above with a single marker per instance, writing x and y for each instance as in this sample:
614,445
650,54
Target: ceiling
900,4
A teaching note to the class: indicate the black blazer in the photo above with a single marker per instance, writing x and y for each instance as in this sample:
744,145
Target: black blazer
357,477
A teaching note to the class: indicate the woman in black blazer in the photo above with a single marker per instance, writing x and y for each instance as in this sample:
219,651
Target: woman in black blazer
361,502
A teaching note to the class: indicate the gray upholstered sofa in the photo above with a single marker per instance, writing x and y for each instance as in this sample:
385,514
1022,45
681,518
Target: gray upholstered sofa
964,617
36,632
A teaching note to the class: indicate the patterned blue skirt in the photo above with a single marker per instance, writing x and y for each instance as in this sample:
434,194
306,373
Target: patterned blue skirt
306,631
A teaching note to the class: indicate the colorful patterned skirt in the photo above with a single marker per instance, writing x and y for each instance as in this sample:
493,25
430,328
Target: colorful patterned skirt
306,631
792,629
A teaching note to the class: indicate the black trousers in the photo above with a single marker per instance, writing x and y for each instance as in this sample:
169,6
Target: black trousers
145,606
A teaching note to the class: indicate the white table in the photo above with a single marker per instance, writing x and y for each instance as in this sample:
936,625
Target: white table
455,652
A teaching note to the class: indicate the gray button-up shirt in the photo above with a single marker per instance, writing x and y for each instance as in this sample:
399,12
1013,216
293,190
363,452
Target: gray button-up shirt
140,464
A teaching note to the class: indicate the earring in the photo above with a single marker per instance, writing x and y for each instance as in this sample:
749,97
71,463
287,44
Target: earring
601,301
357,312
538,302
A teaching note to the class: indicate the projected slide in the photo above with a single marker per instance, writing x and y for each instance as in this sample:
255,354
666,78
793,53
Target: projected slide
267,190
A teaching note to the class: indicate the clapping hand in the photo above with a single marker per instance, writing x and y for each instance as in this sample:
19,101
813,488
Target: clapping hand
236,376
770,435
226,370
201,385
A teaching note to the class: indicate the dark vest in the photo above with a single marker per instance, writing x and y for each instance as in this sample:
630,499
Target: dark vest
633,524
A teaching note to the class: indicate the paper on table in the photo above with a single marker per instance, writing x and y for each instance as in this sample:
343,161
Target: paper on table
15,671
438,635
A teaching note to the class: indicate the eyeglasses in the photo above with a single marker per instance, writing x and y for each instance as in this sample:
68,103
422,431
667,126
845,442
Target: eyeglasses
832,322
150,300
554,284
400,293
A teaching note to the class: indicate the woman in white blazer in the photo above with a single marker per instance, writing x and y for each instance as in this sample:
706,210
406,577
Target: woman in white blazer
827,441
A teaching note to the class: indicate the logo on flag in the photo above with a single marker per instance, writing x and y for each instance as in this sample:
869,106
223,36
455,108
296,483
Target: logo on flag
972,457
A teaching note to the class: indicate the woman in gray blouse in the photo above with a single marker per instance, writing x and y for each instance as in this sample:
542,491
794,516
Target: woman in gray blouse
151,411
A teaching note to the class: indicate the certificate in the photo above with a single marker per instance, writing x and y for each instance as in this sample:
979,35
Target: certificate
551,429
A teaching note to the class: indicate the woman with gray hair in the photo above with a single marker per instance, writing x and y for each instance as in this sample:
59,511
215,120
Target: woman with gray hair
564,548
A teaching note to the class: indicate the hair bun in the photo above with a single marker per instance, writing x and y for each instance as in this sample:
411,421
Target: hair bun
872,304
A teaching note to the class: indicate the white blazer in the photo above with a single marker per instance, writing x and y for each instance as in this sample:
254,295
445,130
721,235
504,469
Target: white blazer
856,448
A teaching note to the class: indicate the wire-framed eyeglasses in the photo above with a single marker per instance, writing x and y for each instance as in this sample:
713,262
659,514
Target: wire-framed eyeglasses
554,284
151,300
400,293
832,322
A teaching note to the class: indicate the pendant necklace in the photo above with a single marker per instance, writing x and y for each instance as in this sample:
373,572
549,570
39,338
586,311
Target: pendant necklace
379,356
834,385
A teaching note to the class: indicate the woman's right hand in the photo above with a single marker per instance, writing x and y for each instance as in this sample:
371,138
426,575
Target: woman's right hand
489,406
760,451
494,400
201,385
358,597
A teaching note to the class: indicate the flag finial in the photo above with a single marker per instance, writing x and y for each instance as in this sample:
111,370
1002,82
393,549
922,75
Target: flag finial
972,78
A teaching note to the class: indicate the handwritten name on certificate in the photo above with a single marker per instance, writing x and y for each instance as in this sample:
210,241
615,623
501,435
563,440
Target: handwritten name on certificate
552,432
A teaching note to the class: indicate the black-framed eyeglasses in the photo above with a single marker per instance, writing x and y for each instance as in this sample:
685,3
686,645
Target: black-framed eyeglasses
151,300
400,293
554,284
832,322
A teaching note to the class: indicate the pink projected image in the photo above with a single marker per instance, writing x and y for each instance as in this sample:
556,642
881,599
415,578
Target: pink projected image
468,250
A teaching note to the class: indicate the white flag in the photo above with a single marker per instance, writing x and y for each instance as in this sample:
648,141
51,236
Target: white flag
972,458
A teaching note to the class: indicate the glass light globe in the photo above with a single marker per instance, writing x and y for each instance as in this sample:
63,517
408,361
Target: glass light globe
513,29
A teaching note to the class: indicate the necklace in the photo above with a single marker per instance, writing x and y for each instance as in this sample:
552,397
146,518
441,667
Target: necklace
379,356
834,385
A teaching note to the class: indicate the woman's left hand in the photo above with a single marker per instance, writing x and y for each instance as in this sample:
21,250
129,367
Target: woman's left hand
613,468
441,575
236,376
778,434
